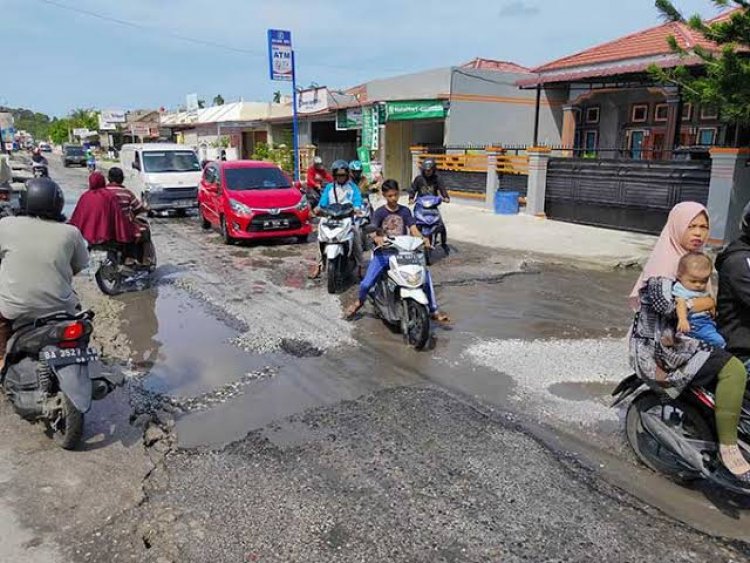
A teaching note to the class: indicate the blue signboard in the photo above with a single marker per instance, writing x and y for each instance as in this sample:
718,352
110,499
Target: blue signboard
280,55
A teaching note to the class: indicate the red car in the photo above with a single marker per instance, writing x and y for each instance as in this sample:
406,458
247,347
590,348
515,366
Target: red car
248,199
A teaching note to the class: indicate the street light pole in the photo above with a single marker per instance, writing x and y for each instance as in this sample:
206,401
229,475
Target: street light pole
295,124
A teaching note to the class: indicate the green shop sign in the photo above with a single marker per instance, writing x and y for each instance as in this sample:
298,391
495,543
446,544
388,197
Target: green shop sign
425,109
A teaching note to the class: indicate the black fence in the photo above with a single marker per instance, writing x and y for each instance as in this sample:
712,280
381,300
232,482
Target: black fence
631,195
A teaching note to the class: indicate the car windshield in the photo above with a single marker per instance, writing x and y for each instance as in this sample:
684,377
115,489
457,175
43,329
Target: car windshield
241,179
170,161
74,151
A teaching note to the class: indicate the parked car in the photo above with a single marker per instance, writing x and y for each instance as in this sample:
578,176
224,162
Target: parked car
247,199
73,154
164,175
45,147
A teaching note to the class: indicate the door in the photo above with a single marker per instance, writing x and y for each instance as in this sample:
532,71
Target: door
209,196
637,139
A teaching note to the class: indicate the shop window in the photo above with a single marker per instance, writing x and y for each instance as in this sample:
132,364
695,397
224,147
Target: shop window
707,136
592,114
639,113
709,112
687,111
661,112
636,142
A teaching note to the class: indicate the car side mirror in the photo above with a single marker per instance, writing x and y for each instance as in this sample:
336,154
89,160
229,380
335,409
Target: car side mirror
136,165
297,184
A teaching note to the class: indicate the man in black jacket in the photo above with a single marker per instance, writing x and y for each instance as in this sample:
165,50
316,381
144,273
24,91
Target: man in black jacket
733,304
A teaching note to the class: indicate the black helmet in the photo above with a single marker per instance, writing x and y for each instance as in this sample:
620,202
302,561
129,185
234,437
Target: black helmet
428,164
339,166
745,221
43,198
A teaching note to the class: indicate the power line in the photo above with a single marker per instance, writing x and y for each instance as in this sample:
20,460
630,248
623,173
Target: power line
185,38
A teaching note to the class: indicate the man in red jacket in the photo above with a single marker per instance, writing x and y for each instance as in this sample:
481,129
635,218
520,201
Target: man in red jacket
317,175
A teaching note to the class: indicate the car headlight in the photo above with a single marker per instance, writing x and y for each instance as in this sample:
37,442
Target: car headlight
154,187
240,208
302,205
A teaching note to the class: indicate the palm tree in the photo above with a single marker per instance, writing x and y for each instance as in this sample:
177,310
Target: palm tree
277,97
218,100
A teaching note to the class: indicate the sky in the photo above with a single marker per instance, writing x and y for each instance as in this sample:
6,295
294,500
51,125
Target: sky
57,56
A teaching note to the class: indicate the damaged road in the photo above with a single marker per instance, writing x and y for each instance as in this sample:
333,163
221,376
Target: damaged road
258,425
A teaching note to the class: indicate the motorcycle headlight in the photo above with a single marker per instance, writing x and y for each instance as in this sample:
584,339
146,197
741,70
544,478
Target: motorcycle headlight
302,205
154,187
240,208
414,280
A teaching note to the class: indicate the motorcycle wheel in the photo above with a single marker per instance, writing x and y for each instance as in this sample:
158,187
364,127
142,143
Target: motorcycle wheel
67,434
417,325
108,279
333,273
682,417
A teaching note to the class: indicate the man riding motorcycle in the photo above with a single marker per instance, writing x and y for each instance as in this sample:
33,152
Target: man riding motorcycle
359,179
38,158
39,255
429,182
342,190
132,207
317,178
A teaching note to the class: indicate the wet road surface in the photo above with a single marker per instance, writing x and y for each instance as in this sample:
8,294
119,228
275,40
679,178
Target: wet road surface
321,439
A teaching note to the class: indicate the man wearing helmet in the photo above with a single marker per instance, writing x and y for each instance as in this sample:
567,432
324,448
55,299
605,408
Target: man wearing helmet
733,302
342,190
39,255
317,175
428,182
364,184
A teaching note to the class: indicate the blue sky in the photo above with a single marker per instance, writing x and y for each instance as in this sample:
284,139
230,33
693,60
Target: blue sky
56,59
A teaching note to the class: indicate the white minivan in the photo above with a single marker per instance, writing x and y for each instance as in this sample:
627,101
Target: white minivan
164,175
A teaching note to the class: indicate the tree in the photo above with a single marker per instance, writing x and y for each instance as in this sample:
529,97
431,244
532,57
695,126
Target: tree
277,97
58,130
724,80
84,118
218,100
201,104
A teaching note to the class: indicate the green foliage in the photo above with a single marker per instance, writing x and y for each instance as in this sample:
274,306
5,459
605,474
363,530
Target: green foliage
724,80
221,142
218,100
58,131
35,123
280,154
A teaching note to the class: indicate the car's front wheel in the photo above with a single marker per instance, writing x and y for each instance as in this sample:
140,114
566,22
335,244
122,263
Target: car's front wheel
228,239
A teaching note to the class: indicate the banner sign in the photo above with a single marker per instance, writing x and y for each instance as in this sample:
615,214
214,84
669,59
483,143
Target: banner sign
368,132
312,100
113,116
280,54
81,132
106,125
408,110
350,118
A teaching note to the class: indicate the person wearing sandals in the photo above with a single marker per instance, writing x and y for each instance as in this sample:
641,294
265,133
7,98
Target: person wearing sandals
672,365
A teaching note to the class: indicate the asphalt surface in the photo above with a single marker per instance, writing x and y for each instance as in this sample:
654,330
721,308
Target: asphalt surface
258,425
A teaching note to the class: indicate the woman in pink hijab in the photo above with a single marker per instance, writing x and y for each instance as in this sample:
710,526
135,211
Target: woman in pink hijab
665,363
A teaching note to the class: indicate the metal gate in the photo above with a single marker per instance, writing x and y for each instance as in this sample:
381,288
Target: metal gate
628,195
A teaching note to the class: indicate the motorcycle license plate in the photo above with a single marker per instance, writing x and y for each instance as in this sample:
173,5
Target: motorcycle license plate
410,259
273,224
68,356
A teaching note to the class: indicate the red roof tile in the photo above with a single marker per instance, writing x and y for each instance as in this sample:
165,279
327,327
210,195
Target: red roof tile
645,43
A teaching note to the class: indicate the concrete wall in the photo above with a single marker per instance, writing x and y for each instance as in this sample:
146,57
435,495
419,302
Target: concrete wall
418,86
488,108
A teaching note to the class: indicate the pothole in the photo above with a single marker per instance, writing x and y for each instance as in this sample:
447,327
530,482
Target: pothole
300,348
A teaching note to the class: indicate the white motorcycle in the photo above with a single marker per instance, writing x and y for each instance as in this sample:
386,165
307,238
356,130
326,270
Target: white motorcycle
400,297
336,238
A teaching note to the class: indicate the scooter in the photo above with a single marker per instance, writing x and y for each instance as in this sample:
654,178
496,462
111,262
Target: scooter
676,436
47,375
113,275
429,221
39,169
399,298
336,238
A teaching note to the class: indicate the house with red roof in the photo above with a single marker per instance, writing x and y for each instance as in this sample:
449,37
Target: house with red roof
614,109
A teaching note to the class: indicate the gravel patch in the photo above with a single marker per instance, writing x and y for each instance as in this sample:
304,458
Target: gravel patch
537,365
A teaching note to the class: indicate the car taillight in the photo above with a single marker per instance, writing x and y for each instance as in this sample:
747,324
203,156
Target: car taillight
73,331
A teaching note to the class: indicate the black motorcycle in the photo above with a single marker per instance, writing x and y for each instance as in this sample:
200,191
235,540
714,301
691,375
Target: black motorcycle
47,375
677,436
116,269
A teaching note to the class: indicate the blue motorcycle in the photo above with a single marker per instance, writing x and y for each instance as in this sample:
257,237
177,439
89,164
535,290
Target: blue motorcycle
430,222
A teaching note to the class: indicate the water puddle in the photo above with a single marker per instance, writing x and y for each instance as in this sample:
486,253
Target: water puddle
575,391
182,346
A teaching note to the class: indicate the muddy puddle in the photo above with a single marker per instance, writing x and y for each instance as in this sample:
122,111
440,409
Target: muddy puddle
186,351
180,345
